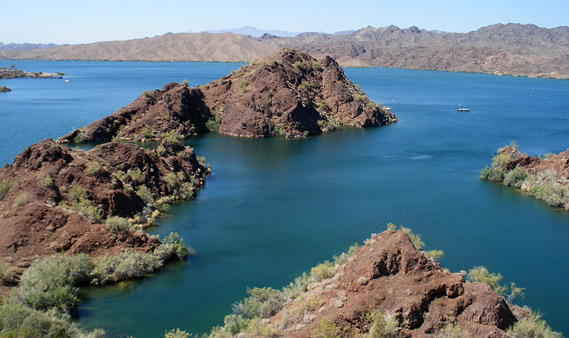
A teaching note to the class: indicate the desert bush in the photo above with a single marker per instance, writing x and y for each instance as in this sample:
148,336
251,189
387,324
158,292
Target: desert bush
304,86
434,254
326,329
322,271
135,174
93,168
492,174
21,199
126,265
297,64
360,97
117,224
146,93
515,177
5,186
51,282
343,257
186,82
173,244
316,65
172,138
482,275
177,333
86,208
415,238
453,330
242,84
46,181
532,326
262,302
76,194
213,123
502,159
550,191
144,192
6,273
171,181
381,325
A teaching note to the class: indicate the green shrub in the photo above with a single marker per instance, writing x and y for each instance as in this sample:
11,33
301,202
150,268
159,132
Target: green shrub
262,302
177,333
93,168
415,239
316,65
482,275
145,194
21,199
453,330
533,326
492,174
126,265
322,271
242,84
381,325
46,181
174,244
86,208
50,283
360,97
6,273
172,138
279,131
81,135
551,192
117,224
171,181
502,159
213,123
5,186
135,174
435,254
516,177
146,93
326,329
186,82
298,65
304,86
76,194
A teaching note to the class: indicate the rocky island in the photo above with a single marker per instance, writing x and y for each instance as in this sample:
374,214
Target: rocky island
288,94
12,73
4,89
545,177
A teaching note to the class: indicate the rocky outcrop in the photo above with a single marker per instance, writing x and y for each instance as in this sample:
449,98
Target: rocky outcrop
288,94
58,199
390,276
545,178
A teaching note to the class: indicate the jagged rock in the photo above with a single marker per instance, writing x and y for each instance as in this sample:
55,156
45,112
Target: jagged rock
287,94
58,197
401,281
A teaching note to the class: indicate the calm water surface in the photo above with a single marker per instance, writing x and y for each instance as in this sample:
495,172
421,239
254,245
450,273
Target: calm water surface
273,208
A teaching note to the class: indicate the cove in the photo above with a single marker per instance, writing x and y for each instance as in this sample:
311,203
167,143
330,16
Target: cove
273,208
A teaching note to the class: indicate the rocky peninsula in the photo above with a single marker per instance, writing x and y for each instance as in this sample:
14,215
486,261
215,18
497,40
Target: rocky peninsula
17,73
546,178
388,287
288,94
54,199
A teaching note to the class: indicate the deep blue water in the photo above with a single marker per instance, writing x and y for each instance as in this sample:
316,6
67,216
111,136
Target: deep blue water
273,208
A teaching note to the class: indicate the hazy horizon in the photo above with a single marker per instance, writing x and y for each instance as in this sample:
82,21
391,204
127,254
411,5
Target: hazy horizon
67,22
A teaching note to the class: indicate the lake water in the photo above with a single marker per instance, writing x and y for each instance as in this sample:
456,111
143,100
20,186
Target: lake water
273,208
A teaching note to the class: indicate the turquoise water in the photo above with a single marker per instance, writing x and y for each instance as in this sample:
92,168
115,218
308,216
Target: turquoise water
273,208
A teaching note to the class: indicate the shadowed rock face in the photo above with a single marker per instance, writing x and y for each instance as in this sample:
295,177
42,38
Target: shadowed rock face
389,275
58,197
288,94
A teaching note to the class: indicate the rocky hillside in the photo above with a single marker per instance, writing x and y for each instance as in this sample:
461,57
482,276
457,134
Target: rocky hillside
386,288
546,178
525,50
58,199
287,94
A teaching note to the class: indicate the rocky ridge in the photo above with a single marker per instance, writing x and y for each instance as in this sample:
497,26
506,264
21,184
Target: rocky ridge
389,279
287,94
57,199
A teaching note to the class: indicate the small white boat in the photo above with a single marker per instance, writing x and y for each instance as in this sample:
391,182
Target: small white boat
463,109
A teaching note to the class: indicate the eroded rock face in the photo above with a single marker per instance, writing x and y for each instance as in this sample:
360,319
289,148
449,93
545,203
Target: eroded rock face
389,275
288,94
58,198
558,163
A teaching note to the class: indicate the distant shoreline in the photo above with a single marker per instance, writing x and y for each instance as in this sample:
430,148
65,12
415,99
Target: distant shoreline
17,73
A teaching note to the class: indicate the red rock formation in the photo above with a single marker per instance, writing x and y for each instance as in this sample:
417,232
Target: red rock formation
57,197
390,276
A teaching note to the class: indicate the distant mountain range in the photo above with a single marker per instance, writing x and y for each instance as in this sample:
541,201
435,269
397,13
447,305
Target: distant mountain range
524,50
253,31
26,46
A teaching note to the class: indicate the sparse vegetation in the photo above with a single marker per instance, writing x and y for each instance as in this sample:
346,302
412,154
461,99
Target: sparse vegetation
326,329
381,325
213,123
304,86
316,65
81,135
532,326
360,97
297,64
21,199
242,85
117,224
186,82
93,168
5,186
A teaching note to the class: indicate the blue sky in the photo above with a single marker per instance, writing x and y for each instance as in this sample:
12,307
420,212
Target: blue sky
66,21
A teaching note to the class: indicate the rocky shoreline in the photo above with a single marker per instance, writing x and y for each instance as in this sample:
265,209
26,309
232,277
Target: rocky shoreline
545,178
16,73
